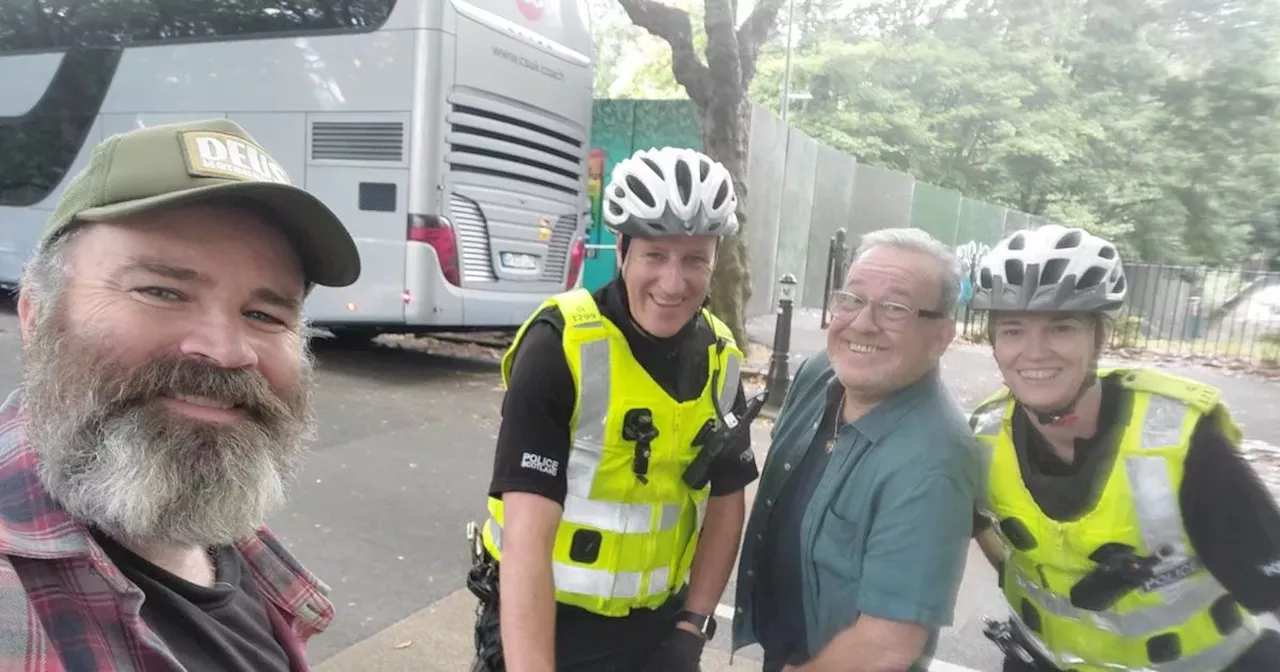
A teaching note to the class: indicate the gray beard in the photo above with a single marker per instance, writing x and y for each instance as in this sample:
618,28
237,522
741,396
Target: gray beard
117,459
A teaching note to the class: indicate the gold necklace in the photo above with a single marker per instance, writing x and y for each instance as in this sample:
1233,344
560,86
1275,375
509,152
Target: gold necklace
835,425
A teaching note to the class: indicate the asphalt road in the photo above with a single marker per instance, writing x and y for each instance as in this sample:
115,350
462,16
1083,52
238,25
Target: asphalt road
401,465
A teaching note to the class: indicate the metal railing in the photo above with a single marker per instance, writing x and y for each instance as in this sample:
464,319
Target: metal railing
1178,310
1195,311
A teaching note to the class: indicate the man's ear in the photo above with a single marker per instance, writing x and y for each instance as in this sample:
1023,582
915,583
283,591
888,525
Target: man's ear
26,315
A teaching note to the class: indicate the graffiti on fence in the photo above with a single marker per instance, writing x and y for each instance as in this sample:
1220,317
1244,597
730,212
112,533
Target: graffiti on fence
969,254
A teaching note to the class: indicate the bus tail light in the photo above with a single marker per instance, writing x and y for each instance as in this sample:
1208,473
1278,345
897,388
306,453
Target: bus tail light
577,255
437,232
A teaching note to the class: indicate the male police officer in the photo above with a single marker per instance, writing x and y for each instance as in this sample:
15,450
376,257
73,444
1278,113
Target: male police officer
621,459
1128,531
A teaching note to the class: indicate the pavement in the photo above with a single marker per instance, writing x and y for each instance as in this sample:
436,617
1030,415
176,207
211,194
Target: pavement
402,463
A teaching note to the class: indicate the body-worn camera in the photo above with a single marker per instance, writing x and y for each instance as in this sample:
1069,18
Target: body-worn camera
637,425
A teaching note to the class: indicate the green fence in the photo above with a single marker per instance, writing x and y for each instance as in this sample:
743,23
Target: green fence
799,193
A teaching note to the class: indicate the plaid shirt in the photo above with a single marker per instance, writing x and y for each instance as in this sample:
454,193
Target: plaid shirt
64,607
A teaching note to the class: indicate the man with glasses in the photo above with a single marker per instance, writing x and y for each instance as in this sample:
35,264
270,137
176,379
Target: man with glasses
857,540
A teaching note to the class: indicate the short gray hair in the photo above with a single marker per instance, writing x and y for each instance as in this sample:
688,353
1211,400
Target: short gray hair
44,279
917,240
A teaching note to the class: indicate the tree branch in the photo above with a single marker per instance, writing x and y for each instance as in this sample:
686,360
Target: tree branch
753,33
673,25
722,46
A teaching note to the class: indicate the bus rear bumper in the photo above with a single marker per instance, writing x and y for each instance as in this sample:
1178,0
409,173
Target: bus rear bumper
432,302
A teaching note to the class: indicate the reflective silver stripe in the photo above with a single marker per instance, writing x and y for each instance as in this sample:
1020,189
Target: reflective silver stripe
670,516
1195,596
620,518
593,409
1156,504
658,580
729,379
605,584
990,420
595,582
495,531
1162,426
1216,658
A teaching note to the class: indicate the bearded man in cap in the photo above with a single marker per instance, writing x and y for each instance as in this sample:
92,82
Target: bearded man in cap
166,402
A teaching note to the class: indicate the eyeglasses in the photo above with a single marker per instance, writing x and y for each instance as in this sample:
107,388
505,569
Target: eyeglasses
847,305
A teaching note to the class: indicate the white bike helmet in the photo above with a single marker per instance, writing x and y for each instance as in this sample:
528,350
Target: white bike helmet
1051,269
671,192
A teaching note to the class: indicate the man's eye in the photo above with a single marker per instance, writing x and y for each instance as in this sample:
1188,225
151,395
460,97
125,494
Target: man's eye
162,293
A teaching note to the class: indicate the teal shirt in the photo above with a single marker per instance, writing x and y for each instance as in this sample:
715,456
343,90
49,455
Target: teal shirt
886,532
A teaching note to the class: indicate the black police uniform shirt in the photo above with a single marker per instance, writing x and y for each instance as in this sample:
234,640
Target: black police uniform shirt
222,628
536,414
1230,518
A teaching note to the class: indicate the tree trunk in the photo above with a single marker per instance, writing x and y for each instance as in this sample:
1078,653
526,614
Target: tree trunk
725,140
718,91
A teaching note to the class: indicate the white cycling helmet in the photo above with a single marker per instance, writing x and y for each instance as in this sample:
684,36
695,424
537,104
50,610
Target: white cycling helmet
1051,269
671,192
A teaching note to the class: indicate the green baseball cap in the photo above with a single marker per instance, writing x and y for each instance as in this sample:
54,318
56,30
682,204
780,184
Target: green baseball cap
210,160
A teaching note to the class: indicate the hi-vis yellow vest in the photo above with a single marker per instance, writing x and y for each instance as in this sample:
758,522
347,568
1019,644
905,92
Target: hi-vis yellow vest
1174,614
623,544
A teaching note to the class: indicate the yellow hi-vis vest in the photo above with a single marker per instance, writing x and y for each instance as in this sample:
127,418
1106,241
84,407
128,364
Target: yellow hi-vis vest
1167,624
622,544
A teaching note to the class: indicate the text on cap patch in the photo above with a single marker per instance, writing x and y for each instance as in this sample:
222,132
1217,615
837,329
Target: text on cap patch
213,154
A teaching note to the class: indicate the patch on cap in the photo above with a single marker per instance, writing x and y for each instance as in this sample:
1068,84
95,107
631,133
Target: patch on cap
232,157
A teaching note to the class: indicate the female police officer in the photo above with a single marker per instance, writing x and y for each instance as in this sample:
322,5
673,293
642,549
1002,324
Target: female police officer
1128,531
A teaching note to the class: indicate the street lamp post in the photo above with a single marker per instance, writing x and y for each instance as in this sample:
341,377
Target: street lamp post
779,379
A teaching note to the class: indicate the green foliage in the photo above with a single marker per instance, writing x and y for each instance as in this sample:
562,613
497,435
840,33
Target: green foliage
1153,122
1149,122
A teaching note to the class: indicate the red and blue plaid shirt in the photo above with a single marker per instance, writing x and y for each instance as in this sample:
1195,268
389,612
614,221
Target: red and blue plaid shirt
64,607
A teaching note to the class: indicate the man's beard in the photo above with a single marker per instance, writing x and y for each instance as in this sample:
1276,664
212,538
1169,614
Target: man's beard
117,458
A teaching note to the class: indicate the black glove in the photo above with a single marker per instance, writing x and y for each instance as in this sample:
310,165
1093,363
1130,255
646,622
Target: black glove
680,652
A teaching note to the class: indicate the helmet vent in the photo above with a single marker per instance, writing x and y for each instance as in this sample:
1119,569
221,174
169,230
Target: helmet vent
1018,242
1107,252
984,278
641,192
1068,241
1091,278
653,165
721,195
684,182
1013,272
1052,273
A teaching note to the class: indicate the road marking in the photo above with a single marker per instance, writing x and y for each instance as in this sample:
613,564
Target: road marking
725,612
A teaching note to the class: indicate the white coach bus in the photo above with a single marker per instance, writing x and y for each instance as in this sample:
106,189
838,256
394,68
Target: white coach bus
450,135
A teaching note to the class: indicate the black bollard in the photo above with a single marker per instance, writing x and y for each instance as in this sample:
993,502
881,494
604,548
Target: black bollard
779,378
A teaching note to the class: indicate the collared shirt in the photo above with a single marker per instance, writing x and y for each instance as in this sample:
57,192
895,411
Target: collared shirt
886,529
64,607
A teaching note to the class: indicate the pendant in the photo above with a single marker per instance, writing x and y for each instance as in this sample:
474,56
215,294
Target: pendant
831,444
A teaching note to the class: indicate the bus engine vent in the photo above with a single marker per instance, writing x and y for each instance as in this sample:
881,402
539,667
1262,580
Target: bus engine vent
514,146
357,141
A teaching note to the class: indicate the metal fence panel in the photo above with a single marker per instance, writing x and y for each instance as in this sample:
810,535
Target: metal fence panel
979,222
765,170
881,200
936,210
832,210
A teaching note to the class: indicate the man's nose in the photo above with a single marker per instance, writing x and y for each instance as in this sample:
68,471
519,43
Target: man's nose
223,340
671,281
865,320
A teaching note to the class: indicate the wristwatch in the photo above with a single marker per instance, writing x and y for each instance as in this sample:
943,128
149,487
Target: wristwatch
705,624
